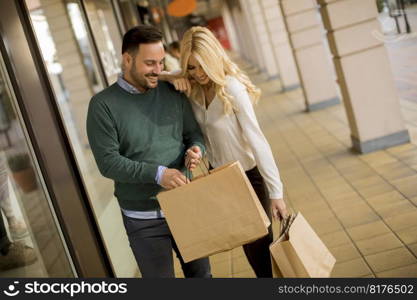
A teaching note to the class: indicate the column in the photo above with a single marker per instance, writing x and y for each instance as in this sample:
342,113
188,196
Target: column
280,44
249,47
312,57
364,73
256,19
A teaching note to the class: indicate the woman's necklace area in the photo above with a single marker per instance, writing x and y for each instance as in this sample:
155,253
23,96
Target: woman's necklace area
208,90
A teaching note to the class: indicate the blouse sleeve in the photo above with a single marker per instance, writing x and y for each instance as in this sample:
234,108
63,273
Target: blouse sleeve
255,137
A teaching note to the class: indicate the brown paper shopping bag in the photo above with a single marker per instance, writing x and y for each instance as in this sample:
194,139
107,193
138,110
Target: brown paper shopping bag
299,252
214,213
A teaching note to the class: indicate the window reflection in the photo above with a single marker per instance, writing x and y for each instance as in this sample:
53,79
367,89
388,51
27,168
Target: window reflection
30,242
72,70
107,36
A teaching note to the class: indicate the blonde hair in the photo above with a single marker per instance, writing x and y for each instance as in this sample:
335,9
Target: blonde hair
204,46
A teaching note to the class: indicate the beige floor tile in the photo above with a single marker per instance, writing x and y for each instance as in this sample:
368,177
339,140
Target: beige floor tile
311,206
409,235
353,268
379,244
378,158
413,248
390,210
386,198
358,175
407,186
369,181
397,173
398,150
390,259
347,198
335,192
414,200
375,190
335,239
367,231
324,183
317,215
345,252
329,225
356,214
402,221
406,272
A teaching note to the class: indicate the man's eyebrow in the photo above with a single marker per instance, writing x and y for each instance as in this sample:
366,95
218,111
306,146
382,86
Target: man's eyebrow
152,60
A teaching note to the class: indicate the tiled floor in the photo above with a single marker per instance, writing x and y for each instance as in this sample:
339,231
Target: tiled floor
364,207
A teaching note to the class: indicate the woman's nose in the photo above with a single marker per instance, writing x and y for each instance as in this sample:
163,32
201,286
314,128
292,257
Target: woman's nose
200,71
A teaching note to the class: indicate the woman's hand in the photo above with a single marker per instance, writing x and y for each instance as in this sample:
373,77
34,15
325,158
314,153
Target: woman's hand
279,209
181,84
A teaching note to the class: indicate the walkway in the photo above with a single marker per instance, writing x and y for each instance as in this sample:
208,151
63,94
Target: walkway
364,207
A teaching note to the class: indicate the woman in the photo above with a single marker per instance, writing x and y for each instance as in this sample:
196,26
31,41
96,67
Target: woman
222,98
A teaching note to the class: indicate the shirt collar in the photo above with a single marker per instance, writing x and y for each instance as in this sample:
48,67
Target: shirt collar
126,85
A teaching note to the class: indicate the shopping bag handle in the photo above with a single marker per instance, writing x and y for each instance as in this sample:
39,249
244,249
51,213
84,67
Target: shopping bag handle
189,174
286,224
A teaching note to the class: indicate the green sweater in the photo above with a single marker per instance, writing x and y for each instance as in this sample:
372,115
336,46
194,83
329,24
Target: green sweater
132,134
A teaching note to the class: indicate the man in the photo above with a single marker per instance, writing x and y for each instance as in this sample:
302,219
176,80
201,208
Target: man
174,49
171,63
139,132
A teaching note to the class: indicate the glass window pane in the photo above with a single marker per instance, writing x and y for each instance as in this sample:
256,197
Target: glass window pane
72,70
31,244
106,34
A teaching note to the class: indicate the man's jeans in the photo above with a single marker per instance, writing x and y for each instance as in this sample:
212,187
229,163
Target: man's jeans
152,243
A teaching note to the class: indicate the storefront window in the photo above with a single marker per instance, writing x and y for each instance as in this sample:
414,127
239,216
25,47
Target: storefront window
106,34
31,244
72,69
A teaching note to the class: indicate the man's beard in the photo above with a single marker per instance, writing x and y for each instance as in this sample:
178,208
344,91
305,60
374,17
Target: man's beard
140,80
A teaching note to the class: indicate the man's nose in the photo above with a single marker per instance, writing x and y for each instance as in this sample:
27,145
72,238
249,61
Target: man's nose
158,68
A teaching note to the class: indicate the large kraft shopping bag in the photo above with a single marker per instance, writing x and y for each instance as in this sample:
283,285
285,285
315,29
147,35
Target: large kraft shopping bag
214,213
299,252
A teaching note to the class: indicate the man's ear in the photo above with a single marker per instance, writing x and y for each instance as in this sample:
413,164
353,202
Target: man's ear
127,60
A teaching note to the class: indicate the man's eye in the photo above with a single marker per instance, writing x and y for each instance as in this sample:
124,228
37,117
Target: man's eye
191,68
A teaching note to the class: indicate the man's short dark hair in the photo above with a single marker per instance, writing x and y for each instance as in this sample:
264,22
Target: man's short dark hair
142,34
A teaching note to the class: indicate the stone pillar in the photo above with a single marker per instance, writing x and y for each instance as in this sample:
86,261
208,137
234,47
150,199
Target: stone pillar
280,44
249,47
364,73
254,15
312,57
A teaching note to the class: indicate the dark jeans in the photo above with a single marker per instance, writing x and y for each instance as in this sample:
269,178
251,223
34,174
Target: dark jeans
152,243
257,252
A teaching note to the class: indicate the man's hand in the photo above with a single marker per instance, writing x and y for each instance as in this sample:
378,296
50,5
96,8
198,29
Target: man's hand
279,209
192,157
172,178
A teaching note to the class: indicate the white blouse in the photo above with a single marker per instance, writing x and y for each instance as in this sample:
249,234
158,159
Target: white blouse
238,136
